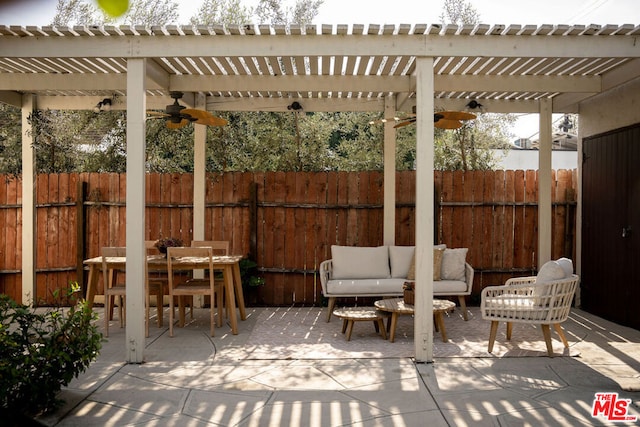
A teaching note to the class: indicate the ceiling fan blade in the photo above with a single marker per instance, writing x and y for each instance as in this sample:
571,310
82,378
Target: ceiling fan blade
456,115
405,123
448,124
212,121
182,123
157,114
385,120
197,114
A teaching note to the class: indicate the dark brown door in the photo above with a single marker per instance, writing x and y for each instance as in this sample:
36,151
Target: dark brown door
610,279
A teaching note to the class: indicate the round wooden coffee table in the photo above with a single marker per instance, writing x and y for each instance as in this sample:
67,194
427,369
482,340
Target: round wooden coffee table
350,315
397,306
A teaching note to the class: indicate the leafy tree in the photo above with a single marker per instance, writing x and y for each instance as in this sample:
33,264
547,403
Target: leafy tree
222,12
471,146
140,12
54,152
459,12
272,12
76,12
152,12
10,140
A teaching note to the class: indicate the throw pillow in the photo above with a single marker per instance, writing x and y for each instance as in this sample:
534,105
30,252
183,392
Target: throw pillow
567,266
411,274
400,258
351,262
550,270
453,264
437,263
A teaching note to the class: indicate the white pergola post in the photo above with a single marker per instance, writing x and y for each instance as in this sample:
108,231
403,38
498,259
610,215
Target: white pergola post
544,182
199,184
28,203
424,211
389,210
136,201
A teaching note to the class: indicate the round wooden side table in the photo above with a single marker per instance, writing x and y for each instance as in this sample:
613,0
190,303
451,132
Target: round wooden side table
350,315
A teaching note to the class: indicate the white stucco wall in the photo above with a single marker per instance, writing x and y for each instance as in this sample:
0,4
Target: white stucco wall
528,159
617,109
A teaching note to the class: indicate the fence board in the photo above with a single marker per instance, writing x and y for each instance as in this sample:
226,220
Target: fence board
405,201
342,225
531,218
447,196
153,214
509,198
477,243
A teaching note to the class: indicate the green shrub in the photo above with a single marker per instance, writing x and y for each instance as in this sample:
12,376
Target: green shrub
41,351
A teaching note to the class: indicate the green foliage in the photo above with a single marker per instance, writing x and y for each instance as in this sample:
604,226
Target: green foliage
459,12
471,147
151,12
248,273
10,140
76,12
42,351
222,12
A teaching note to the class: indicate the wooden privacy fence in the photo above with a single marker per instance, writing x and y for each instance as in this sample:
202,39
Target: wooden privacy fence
286,222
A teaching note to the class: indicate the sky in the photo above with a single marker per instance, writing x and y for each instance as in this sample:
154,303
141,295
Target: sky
506,12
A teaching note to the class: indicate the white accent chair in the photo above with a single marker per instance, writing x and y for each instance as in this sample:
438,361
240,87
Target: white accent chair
544,300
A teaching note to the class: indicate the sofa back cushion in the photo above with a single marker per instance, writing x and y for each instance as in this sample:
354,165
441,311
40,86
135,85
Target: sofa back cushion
400,258
352,262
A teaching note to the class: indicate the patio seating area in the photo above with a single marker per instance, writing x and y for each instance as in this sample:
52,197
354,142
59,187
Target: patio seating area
288,366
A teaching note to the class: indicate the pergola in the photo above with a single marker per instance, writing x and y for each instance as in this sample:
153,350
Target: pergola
508,69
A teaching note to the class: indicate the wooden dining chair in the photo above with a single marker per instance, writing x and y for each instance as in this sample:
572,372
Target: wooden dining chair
157,284
156,278
187,288
113,290
218,247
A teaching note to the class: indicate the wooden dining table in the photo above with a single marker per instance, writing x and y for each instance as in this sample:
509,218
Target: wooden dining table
229,265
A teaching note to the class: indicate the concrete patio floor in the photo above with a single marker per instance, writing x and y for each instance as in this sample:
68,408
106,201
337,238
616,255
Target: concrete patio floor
195,380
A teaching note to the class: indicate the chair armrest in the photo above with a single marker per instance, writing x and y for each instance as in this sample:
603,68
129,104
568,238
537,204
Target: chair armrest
516,291
468,277
326,268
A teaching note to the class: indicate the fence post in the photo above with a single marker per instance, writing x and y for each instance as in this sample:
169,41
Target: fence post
81,188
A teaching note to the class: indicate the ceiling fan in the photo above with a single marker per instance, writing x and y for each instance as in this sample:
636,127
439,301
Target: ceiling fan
178,116
441,119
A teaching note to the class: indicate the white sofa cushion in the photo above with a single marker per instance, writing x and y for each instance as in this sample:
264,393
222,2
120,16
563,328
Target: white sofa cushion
454,287
453,264
400,258
375,287
352,262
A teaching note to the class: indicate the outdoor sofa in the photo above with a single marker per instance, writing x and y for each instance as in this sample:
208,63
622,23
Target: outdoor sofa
382,271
